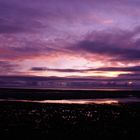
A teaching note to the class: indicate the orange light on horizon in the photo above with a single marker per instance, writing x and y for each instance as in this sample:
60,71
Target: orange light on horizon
113,73
109,74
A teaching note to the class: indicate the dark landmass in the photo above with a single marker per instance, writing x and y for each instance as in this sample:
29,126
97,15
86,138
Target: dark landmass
25,120
44,94
61,121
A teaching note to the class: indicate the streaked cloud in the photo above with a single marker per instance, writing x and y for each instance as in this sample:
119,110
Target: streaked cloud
69,38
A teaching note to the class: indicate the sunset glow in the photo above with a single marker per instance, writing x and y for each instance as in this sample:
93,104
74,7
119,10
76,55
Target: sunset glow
69,69
81,38
94,73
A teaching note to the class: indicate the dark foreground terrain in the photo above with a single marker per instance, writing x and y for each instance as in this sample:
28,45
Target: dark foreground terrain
63,121
57,94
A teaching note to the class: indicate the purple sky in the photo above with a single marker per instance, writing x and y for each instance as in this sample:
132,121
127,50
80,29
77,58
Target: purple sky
70,38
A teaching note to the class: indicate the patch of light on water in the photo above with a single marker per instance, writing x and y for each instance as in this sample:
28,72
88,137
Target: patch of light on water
80,101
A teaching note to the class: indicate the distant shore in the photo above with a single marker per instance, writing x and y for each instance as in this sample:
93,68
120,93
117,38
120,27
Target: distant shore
44,94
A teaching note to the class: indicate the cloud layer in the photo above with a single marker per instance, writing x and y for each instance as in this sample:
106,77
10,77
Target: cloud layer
66,37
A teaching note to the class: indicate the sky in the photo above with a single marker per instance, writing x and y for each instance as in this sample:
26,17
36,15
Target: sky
70,38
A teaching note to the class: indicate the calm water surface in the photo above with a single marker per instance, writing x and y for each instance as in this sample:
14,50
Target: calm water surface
80,101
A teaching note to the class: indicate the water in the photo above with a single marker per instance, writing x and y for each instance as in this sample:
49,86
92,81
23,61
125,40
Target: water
80,101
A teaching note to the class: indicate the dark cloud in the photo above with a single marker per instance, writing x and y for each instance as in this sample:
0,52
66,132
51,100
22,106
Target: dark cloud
38,69
25,48
6,27
19,17
124,69
56,70
120,45
133,76
128,69
7,67
21,27
32,15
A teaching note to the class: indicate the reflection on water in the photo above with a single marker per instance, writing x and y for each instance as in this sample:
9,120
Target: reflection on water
81,101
